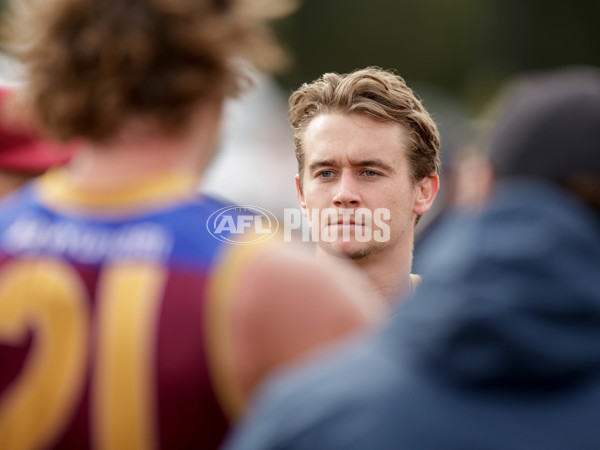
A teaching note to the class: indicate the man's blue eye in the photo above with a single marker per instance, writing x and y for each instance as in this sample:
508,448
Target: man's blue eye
371,173
326,174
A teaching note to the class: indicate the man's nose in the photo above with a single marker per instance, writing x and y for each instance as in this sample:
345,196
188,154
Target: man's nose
348,194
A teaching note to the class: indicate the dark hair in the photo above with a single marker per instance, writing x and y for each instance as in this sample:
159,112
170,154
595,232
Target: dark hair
549,126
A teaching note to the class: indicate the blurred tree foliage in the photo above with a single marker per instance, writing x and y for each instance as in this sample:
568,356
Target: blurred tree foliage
468,47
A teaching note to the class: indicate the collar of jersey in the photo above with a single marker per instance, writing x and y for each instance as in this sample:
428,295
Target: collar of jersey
56,189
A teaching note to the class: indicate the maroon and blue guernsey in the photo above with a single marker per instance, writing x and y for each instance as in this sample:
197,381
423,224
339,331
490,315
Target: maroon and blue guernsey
110,330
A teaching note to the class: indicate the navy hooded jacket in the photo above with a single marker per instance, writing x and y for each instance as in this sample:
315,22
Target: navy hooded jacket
499,348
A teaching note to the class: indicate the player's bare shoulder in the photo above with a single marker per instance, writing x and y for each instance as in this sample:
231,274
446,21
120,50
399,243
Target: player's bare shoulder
287,305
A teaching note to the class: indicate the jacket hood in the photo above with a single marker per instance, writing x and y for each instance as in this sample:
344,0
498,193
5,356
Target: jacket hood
511,297
549,126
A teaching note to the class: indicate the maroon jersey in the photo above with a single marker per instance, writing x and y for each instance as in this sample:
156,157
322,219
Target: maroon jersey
111,327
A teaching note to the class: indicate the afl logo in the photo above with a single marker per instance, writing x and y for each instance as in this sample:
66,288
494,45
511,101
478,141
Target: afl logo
242,224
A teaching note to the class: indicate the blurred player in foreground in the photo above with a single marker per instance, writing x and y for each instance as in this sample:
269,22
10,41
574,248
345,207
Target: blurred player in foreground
23,154
500,347
123,322
368,163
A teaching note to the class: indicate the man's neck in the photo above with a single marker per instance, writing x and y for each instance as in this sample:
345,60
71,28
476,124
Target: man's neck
127,162
141,151
388,271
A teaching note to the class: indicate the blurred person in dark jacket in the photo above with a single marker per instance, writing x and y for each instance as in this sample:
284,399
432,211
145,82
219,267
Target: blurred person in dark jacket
500,348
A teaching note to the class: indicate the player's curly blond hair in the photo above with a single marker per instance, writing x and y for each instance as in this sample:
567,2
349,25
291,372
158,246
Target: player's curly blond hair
91,64
377,93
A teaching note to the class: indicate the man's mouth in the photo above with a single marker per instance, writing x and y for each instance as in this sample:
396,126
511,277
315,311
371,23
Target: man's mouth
346,222
345,217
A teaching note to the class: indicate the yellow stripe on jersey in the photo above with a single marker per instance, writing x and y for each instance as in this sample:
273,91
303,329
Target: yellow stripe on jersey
415,280
219,342
123,389
57,190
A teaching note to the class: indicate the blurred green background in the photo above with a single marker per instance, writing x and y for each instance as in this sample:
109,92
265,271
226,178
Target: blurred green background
467,47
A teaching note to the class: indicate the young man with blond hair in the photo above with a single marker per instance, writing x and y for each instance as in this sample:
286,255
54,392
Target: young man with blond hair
368,167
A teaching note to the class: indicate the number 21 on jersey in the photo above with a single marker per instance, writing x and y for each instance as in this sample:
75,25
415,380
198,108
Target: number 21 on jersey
48,297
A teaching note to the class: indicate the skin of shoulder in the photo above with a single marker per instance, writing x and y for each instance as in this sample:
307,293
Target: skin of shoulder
288,305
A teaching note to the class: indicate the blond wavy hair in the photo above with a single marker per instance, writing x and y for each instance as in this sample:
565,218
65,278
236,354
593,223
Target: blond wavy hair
374,92
91,64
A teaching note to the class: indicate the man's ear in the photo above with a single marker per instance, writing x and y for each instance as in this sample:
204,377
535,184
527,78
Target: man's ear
301,200
425,192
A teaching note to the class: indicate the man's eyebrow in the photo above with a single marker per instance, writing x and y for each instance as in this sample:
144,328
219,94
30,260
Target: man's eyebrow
321,163
373,163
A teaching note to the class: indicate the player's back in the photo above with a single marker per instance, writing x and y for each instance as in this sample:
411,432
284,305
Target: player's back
103,314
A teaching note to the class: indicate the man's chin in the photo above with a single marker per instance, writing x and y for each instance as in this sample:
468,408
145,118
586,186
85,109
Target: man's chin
348,250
